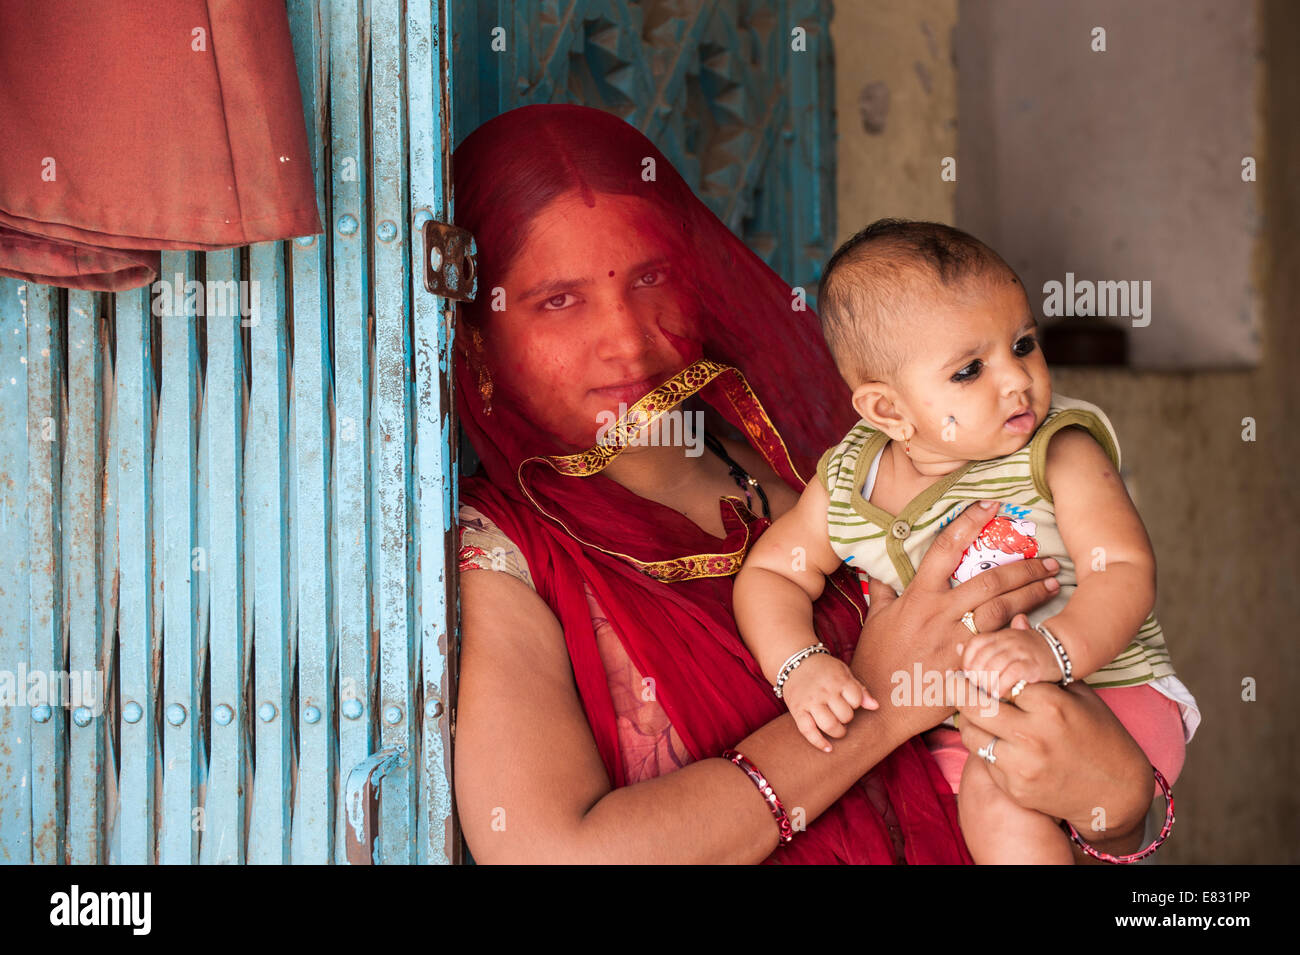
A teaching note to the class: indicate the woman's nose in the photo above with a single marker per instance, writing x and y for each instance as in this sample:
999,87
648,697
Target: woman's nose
625,329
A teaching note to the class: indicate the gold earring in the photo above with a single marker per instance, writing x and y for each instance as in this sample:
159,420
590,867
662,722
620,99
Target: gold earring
484,377
907,446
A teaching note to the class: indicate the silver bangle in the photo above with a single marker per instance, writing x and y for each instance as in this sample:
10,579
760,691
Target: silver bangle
791,664
1058,651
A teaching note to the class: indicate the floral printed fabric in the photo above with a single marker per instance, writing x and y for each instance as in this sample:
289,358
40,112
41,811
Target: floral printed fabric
649,744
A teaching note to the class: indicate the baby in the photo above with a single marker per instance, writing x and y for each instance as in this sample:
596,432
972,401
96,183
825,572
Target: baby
934,334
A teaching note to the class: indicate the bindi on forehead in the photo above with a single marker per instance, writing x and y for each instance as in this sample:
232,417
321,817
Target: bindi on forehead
611,273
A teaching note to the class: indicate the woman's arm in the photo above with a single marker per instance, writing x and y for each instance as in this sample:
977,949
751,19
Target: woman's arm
530,784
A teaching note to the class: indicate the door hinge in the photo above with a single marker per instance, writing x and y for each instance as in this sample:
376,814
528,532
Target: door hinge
450,261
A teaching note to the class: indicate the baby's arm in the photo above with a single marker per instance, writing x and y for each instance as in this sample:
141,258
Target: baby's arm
1106,540
1113,564
784,572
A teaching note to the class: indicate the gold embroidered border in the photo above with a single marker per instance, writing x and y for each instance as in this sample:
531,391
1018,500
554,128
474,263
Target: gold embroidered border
646,410
666,396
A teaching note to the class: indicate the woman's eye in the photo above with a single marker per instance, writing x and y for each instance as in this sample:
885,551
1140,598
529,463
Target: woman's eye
970,372
1025,346
556,302
655,277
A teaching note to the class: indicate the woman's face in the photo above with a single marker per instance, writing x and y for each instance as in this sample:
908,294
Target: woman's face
593,317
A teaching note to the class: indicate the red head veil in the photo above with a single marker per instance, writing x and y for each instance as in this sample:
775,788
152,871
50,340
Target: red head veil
664,582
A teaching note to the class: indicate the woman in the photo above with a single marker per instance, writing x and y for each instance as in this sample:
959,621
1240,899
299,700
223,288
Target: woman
601,675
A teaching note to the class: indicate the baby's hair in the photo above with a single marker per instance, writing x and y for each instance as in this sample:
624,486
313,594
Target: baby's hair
881,274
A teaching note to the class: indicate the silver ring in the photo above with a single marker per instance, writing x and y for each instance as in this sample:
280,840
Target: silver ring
986,752
1018,688
968,620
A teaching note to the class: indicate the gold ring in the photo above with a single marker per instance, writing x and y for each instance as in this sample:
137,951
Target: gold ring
968,619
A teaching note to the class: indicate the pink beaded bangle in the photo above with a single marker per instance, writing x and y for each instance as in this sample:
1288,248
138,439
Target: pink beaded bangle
765,788
1143,853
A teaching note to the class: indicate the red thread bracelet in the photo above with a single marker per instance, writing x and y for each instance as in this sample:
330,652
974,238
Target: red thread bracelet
1142,854
765,788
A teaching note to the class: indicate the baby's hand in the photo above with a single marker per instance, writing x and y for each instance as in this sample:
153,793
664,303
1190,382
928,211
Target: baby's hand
823,692
998,661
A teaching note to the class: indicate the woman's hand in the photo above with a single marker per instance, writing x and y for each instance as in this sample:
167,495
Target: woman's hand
923,625
1063,752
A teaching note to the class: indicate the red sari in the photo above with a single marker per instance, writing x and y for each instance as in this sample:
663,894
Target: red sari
665,583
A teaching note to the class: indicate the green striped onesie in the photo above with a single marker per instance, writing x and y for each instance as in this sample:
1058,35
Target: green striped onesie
889,546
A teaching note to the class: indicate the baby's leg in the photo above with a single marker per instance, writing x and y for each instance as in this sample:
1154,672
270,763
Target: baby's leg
999,831
1155,723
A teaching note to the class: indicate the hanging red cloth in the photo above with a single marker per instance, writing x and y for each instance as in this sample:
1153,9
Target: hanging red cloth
133,127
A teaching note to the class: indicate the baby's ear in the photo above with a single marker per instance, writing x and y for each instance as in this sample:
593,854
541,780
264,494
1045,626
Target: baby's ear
875,402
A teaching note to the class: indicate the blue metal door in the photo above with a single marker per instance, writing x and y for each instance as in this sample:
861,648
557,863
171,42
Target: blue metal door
229,500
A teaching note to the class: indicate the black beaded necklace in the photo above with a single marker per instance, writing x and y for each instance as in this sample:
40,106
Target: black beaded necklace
740,474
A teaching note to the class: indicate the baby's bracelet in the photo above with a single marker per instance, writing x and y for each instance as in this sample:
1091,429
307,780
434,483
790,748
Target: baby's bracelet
791,664
765,789
1167,828
1058,651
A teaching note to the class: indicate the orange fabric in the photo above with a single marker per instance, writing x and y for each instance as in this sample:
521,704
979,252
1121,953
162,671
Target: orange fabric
135,127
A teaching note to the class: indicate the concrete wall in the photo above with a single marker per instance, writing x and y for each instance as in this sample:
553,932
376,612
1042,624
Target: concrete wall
896,99
1105,140
1222,513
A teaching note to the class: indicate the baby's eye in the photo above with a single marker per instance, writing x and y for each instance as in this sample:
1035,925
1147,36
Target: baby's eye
556,302
970,372
1025,346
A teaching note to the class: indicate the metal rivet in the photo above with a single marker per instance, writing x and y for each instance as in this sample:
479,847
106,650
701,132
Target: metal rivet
393,715
266,712
132,712
305,241
176,714
42,713
387,231
348,225
223,714
433,709
352,708
81,716
311,714
421,217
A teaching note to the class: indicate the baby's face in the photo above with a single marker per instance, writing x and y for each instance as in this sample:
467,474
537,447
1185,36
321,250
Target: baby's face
976,384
